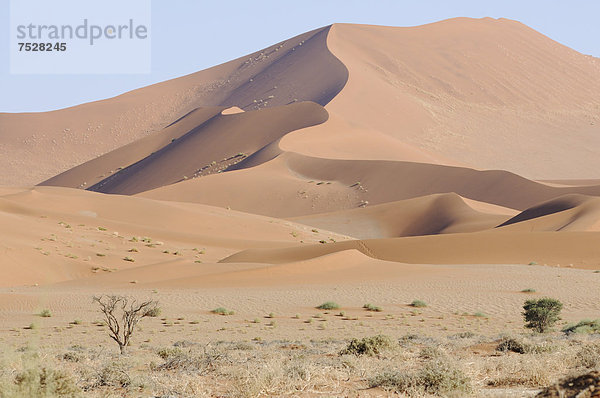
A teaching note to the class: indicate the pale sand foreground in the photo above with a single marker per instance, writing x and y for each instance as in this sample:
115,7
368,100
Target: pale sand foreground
454,293
277,343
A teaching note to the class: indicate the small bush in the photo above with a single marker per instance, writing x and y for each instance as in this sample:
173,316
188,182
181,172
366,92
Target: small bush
45,313
45,382
189,361
328,305
437,377
431,352
222,311
585,326
113,374
368,345
588,356
512,345
418,304
541,314
154,312
371,307
462,335
528,290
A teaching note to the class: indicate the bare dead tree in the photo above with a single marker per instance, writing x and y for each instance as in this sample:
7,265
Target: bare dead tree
122,314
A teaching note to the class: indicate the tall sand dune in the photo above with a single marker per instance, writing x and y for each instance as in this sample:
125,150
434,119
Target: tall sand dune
201,143
469,90
37,146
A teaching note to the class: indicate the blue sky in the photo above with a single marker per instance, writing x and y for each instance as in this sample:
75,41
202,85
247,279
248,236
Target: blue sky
190,35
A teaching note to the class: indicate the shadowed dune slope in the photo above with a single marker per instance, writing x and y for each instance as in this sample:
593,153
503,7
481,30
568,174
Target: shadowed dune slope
567,213
96,170
467,90
429,215
37,146
578,249
307,185
191,148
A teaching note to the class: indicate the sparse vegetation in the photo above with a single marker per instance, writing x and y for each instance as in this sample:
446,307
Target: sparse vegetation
513,345
437,377
541,314
368,345
45,313
329,305
43,382
222,311
371,307
418,304
584,326
154,312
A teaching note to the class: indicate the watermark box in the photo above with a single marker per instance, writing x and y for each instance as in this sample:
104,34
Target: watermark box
80,37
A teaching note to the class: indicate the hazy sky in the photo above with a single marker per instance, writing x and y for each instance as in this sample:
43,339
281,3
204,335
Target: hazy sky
190,35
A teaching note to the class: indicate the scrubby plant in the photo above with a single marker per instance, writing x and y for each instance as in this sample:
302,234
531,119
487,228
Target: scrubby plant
329,305
371,307
512,345
418,304
45,313
122,314
154,312
222,311
541,314
588,356
44,382
437,377
368,345
584,326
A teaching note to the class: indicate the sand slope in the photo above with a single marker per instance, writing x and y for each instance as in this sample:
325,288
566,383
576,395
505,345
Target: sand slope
201,143
37,146
429,215
566,213
307,185
470,89
52,234
571,249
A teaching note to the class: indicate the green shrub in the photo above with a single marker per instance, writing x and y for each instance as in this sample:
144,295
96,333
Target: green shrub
222,311
541,314
371,307
368,345
328,305
418,304
45,313
584,326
